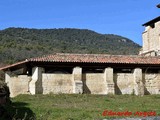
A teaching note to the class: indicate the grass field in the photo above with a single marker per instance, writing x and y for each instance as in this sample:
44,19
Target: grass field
80,107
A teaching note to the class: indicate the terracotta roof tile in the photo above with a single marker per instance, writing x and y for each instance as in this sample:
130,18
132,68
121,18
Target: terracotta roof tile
97,58
91,58
13,65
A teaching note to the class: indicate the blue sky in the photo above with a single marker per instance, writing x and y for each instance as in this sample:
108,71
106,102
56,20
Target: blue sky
121,17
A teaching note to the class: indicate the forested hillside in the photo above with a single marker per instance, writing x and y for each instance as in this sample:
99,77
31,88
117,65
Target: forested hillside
20,43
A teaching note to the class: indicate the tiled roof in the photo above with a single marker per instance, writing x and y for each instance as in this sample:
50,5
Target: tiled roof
13,65
91,58
97,58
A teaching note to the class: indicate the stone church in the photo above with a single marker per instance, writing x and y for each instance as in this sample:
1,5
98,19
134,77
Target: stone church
91,73
151,38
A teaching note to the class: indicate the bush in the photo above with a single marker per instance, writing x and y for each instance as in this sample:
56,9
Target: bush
1,76
4,89
4,101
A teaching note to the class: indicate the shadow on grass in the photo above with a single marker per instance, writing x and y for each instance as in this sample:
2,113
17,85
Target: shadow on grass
16,111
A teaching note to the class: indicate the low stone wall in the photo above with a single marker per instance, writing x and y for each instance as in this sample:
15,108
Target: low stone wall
124,83
152,83
90,83
57,83
94,83
19,85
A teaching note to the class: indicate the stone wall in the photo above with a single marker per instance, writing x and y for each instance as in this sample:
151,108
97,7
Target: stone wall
57,83
152,83
151,38
124,83
94,83
145,47
18,84
138,82
35,86
77,80
108,77
107,82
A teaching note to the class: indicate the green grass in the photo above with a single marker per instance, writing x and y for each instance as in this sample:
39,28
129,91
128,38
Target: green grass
79,107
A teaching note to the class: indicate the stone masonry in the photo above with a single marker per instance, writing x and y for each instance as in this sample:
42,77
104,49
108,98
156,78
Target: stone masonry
107,82
151,38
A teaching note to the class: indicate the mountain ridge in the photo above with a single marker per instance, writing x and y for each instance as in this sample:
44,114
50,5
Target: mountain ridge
21,43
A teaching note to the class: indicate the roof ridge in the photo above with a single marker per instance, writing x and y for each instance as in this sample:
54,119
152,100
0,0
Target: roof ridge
92,54
79,54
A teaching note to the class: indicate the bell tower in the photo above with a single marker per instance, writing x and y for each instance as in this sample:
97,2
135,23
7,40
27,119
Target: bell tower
151,37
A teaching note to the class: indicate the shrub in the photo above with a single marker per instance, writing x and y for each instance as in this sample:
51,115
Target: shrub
4,89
